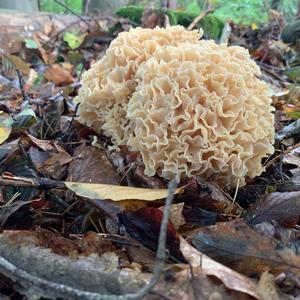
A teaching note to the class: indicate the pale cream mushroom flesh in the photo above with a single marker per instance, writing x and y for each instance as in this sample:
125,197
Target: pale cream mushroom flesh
191,107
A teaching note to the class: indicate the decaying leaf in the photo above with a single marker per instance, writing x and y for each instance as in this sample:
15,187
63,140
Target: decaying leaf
293,157
7,210
267,287
231,279
58,75
241,248
24,119
176,216
281,207
144,225
116,192
90,164
19,64
48,156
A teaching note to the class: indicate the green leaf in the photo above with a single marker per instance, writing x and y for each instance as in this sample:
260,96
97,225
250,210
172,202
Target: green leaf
31,44
74,41
6,122
294,114
24,120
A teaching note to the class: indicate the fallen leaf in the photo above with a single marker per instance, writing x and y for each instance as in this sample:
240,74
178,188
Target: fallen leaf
8,149
90,164
239,247
58,75
5,126
19,64
181,282
24,119
45,145
231,279
267,287
116,192
144,226
7,211
176,216
74,41
56,165
31,44
292,157
281,207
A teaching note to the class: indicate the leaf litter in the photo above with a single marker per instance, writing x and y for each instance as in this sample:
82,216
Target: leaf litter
69,205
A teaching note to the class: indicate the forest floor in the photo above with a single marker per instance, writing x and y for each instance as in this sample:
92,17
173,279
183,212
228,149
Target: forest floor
60,239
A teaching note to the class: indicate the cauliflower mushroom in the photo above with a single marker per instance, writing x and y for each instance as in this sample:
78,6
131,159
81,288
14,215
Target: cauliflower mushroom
191,108
110,82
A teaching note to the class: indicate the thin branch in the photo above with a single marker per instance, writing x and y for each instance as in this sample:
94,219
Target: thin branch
200,17
20,78
72,12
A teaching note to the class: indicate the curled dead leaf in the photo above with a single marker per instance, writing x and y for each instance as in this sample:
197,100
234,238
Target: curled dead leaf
231,279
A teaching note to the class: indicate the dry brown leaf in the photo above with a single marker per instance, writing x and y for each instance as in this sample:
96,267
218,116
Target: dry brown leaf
116,192
267,287
293,157
281,207
19,64
176,216
58,75
90,164
231,279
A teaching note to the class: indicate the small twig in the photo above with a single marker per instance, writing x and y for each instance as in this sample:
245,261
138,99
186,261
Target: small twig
200,17
72,12
20,78
71,123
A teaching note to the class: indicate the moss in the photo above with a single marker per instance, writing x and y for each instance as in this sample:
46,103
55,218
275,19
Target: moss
131,12
211,25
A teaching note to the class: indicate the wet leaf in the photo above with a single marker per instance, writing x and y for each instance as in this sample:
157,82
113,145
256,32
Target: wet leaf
24,119
239,247
292,157
144,225
8,149
281,207
231,279
8,210
116,192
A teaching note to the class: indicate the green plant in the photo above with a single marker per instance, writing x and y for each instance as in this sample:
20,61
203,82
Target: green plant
54,7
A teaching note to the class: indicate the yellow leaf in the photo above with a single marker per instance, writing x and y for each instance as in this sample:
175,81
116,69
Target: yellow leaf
116,192
254,26
5,126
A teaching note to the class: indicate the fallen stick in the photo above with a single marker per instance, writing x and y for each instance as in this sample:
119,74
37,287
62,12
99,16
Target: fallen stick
200,17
